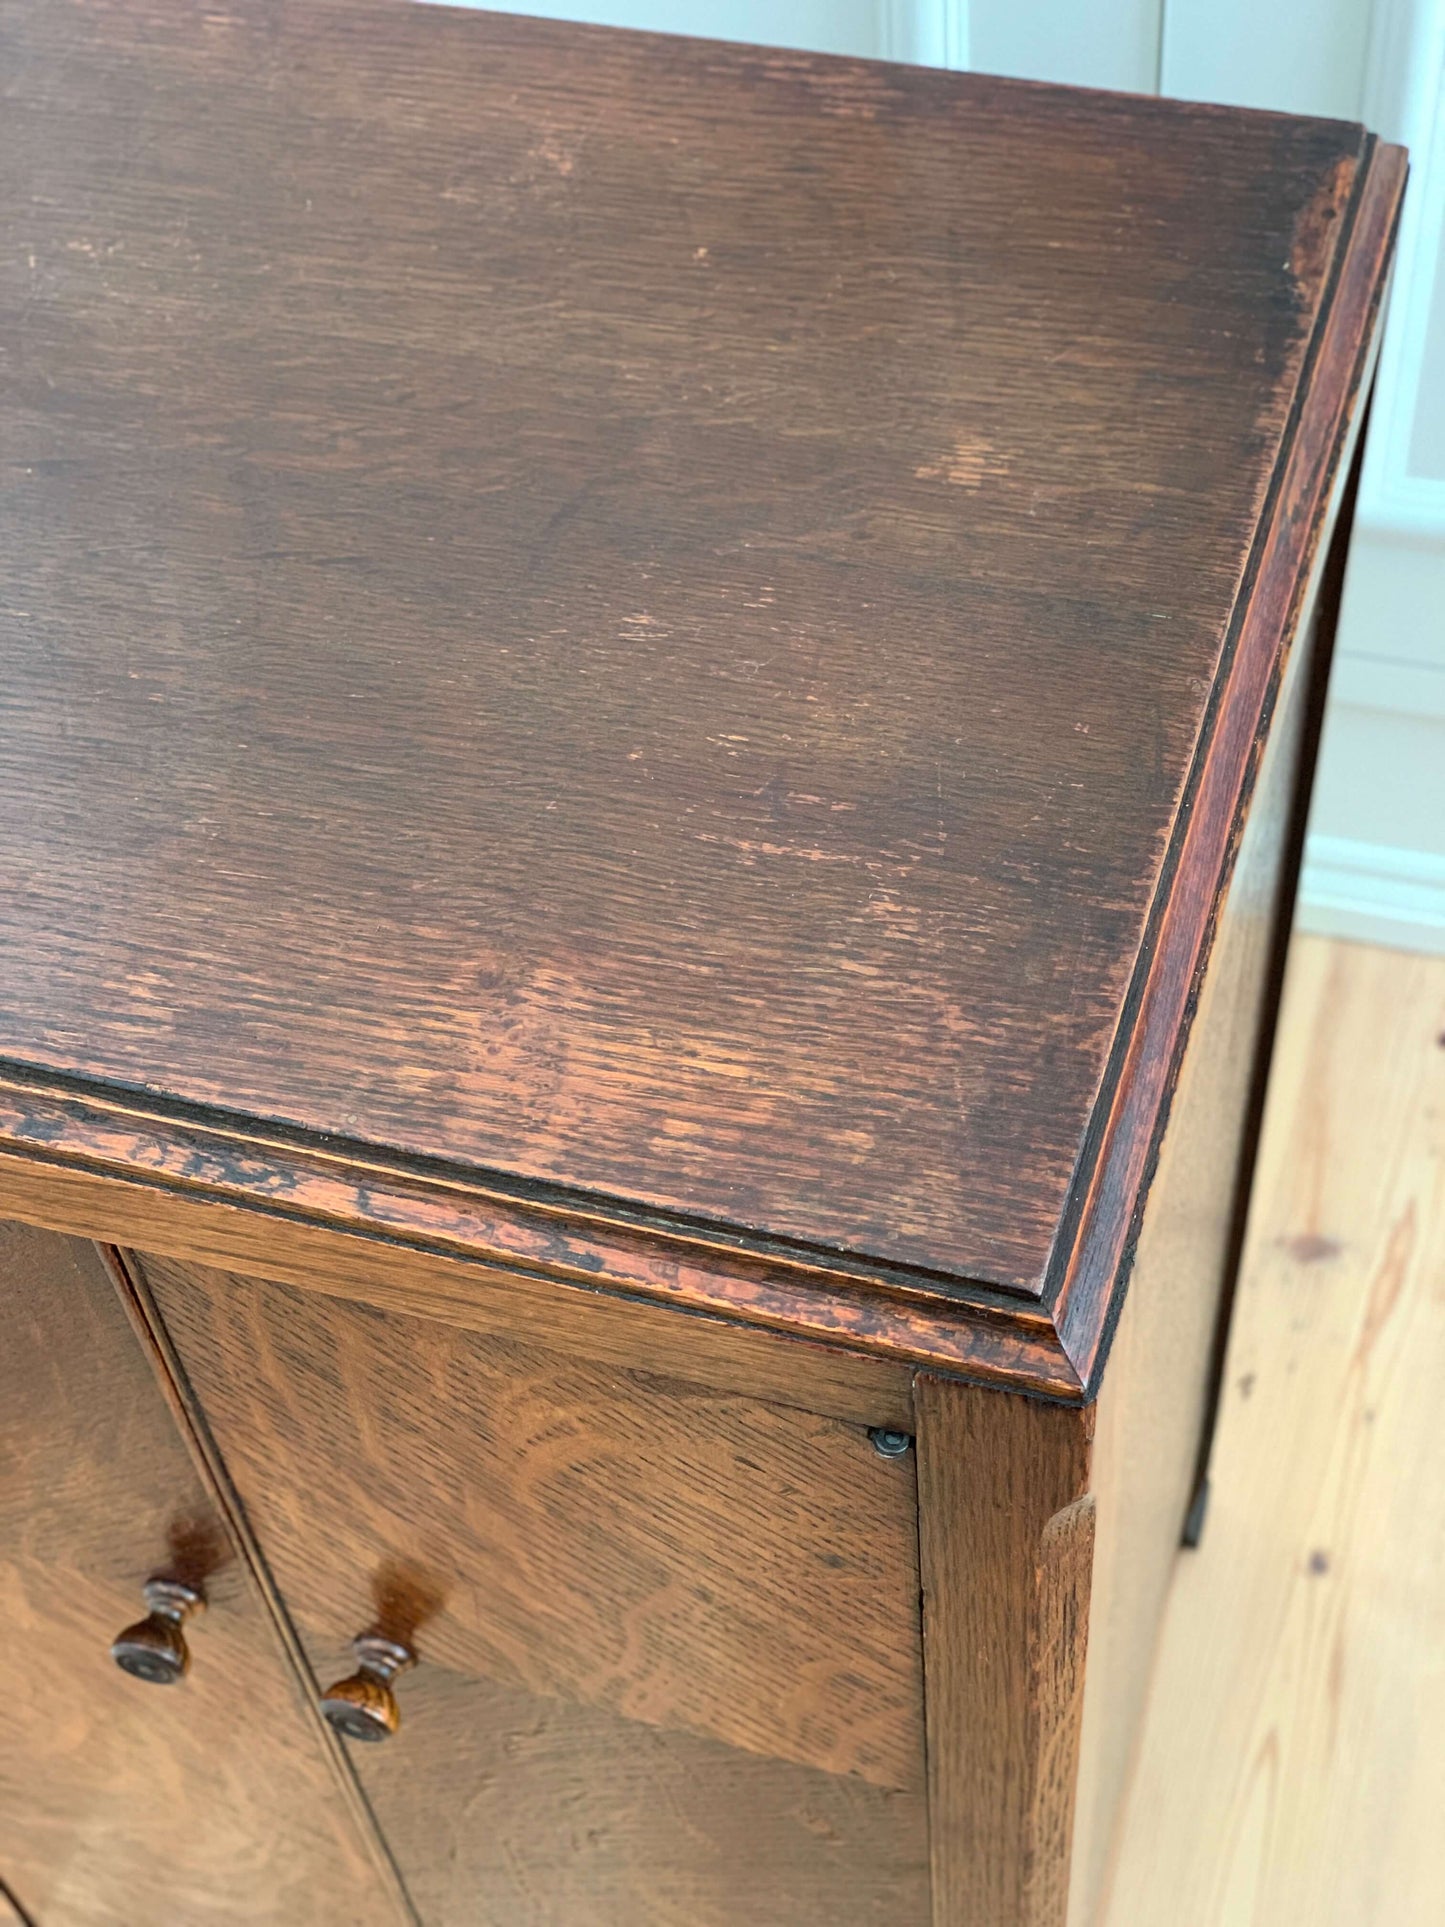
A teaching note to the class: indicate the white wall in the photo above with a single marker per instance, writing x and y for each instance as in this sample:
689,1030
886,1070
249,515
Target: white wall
1297,59
1116,44
1376,860
826,26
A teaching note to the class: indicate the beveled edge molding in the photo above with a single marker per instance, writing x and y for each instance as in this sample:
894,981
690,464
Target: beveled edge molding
1089,1274
127,1171
104,1166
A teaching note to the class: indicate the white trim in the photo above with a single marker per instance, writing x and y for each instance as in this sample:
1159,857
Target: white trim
932,33
1366,681
1404,89
1373,893
1391,81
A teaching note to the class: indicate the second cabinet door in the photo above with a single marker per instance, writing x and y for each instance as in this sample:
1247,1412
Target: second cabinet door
209,1801
667,1638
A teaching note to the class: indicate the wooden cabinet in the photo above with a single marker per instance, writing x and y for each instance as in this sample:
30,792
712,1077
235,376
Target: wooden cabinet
690,1558
658,708
213,1799
667,1630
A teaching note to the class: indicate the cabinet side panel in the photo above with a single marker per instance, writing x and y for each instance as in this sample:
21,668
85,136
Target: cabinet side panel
1153,1409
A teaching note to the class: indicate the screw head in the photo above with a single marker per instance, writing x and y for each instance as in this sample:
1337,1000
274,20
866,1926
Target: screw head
889,1444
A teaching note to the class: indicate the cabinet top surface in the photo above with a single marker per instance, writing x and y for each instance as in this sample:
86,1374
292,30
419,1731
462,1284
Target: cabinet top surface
616,611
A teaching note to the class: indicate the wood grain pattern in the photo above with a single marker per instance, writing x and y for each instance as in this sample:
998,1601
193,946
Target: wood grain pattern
1153,1411
811,1335
633,674
1006,1536
145,1322
538,1813
1285,571
121,1802
11,1912
656,652
1291,1768
683,1557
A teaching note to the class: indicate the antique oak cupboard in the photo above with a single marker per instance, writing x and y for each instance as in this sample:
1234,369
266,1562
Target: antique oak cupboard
656,706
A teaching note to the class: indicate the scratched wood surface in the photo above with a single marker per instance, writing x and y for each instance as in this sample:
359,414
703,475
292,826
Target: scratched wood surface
626,612
684,1557
207,1802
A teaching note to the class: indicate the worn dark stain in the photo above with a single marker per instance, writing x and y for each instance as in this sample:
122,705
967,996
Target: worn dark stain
471,847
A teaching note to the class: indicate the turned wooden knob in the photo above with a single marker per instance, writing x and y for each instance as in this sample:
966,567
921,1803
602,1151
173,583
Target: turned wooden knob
155,1647
364,1707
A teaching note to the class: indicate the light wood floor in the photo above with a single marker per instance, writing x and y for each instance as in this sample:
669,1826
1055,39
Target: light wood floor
1292,1767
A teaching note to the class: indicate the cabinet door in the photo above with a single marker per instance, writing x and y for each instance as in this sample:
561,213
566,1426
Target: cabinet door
211,1799
667,1638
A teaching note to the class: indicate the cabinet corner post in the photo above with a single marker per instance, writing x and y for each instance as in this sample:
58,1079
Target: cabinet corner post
1006,1530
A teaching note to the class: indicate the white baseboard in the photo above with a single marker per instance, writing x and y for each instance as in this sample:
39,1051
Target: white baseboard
1373,893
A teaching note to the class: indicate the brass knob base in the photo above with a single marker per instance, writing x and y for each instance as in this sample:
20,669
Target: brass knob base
364,1707
155,1648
